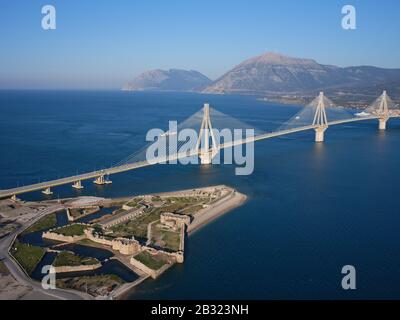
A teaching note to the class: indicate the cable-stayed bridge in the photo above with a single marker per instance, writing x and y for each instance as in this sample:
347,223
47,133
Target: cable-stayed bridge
209,123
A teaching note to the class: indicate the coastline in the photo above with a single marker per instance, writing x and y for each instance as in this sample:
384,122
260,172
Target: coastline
216,210
205,216
230,199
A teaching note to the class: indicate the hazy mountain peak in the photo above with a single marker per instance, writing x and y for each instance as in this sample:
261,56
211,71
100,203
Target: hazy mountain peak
278,59
275,73
168,80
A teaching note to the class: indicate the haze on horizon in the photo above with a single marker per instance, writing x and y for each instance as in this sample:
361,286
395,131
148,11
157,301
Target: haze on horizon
103,44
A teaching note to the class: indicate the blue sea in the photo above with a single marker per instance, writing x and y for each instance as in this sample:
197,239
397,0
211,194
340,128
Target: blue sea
311,209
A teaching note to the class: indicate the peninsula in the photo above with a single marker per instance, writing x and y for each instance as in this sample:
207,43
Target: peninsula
101,248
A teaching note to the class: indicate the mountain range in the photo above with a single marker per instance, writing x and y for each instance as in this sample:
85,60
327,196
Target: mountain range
168,80
279,77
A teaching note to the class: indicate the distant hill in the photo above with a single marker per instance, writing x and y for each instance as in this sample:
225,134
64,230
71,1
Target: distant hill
273,74
280,78
168,80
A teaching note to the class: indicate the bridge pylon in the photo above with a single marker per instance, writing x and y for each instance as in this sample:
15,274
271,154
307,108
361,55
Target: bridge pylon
206,151
320,119
383,111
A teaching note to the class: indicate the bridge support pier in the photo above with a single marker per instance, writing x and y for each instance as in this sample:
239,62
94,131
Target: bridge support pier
206,157
382,123
320,134
47,191
77,185
101,180
14,197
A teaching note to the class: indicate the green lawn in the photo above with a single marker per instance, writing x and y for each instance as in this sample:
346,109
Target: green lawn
80,212
191,210
186,200
28,256
46,222
72,230
66,258
172,239
138,226
149,260
165,238
135,203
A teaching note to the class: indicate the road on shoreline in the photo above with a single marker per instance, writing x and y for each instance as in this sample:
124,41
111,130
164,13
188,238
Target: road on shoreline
22,278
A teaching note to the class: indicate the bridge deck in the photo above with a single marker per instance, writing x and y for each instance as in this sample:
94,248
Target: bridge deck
132,166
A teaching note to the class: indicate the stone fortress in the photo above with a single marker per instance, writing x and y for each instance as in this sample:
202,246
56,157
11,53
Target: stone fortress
127,246
177,223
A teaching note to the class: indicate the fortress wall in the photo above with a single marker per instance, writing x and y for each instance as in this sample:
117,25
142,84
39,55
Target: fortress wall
62,269
59,237
124,246
176,256
89,210
113,221
178,219
182,239
189,192
52,235
152,273
89,234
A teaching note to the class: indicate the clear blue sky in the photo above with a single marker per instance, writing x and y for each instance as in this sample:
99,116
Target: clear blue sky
102,44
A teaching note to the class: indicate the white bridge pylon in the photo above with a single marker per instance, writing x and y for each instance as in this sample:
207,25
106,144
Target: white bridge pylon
321,113
320,119
205,151
383,111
